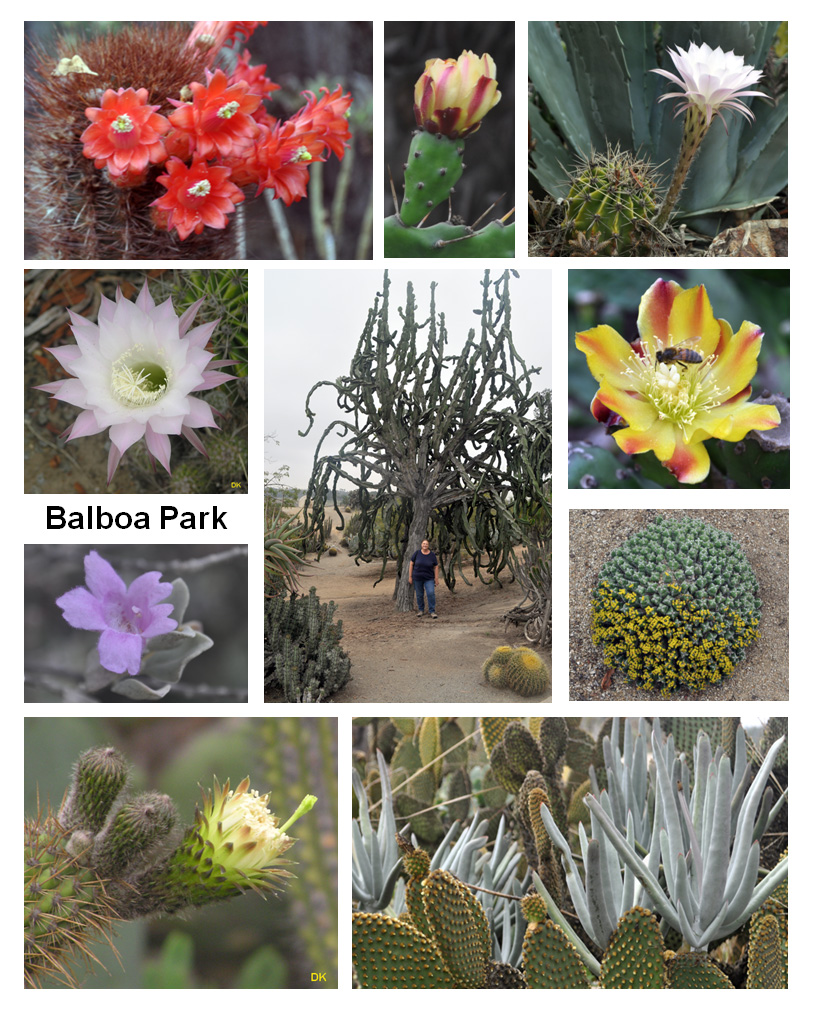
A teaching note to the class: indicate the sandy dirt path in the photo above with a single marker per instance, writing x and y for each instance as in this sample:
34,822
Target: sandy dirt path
402,658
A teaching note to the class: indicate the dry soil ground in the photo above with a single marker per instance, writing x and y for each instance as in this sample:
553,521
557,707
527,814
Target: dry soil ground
398,657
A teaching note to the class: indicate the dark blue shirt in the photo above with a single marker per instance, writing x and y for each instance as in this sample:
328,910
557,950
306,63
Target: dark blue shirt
423,565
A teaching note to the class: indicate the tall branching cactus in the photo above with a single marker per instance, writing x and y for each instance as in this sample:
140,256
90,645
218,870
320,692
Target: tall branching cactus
439,444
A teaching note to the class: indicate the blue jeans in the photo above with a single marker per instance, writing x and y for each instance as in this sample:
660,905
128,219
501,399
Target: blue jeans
425,587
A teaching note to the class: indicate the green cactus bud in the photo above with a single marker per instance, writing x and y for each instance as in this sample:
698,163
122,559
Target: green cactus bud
135,830
99,776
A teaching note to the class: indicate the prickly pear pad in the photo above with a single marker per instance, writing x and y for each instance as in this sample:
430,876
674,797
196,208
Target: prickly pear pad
434,167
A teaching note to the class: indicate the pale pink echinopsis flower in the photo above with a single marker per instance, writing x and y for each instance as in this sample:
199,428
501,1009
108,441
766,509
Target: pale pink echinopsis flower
135,372
711,81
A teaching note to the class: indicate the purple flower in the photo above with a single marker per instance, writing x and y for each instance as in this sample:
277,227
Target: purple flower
127,616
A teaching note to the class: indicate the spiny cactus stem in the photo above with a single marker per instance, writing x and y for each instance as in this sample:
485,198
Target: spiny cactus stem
694,129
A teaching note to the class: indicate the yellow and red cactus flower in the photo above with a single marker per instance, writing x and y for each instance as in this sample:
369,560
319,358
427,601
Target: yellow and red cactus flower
197,195
125,134
219,118
453,96
686,379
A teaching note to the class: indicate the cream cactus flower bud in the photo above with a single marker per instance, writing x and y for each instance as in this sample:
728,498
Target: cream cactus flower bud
240,839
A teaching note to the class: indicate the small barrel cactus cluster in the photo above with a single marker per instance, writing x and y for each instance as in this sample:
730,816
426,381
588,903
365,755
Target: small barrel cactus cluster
518,668
676,605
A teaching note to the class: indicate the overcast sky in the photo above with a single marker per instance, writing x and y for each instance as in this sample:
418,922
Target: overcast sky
313,323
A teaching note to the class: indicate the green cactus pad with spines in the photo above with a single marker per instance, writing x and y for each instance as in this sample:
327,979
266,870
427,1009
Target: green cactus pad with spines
578,811
684,730
460,928
430,747
501,976
451,735
459,785
391,954
415,905
767,958
417,864
493,727
433,168
694,970
447,241
405,724
99,777
633,959
427,825
503,769
550,959
580,747
533,780
522,749
553,735
543,844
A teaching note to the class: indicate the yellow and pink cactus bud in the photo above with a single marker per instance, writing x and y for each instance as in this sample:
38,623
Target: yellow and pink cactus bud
453,96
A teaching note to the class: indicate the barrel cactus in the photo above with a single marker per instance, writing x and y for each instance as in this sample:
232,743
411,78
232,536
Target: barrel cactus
520,669
611,201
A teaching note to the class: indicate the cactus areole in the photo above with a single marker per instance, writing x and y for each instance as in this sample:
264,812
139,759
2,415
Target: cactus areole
440,444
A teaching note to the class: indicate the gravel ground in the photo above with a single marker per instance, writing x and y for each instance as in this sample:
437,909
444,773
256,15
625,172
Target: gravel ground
763,536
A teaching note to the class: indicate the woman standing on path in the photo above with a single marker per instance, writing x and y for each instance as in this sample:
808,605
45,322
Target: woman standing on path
423,572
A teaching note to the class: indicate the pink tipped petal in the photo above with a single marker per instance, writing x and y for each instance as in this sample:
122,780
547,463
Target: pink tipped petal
194,440
608,354
114,456
123,436
691,316
158,445
734,423
637,412
655,310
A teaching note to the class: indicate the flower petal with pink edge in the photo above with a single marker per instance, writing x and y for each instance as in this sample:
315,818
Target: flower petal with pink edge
737,363
691,316
661,437
607,353
655,311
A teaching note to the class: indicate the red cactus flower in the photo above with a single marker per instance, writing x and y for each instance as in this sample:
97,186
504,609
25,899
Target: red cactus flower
281,159
219,118
329,116
125,133
212,35
259,83
197,195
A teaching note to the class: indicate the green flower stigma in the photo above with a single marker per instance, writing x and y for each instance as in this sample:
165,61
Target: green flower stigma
228,111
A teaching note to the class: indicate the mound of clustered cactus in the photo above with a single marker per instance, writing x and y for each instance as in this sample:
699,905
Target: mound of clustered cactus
303,656
520,669
676,606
